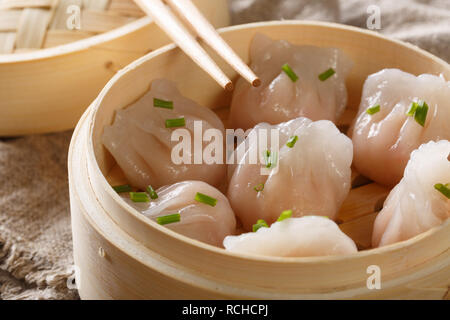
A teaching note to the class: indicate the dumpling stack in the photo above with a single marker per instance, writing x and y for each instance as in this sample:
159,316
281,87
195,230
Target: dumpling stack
205,221
140,138
305,173
398,113
313,173
422,198
295,237
297,81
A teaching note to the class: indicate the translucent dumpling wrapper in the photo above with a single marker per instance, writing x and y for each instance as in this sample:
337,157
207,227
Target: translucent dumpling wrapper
200,221
383,141
415,205
141,144
279,99
295,237
312,176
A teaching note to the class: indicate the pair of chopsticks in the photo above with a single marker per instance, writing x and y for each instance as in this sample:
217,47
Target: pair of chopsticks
168,22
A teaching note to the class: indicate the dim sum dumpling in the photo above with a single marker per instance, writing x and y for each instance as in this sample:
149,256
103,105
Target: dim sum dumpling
415,205
197,220
295,237
383,141
279,99
313,176
141,144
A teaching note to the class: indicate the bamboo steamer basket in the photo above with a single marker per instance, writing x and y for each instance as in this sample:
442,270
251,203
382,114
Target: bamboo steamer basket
49,74
120,254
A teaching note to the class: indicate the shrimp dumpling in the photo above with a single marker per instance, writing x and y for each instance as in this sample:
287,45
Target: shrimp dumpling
295,237
200,221
279,98
383,141
313,172
141,143
416,205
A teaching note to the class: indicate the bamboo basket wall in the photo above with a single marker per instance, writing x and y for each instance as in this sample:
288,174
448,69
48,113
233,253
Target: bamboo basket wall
49,74
123,255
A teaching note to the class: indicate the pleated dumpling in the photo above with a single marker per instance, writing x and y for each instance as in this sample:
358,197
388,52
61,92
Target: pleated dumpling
387,130
140,139
312,174
295,237
422,198
282,97
208,221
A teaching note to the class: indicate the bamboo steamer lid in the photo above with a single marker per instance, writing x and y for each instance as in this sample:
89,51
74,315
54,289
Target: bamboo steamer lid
121,254
56,55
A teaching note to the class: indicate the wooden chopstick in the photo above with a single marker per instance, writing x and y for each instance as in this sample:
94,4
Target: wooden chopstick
167,21
208,33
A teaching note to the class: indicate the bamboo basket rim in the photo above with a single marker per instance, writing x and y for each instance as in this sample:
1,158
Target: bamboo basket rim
385,250
75,46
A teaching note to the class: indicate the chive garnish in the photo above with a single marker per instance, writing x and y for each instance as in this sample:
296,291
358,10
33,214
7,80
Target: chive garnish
412,109
260,224
174,123
259,187
152,192
419,110
159,103
122,188
291,142
421,113
139,197
285,215
203,198
374,109
270,159
171,218
290,73
444,189
325,75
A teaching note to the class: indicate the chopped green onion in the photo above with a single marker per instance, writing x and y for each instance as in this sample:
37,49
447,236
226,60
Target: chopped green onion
285,215
260,224
203,198
159,103
273,160
259,187
325,75
373,109
139,197
174,123
444,189
421,113
291,142
290,73
171,218
412,109
122,188
419,110
152,192
270,159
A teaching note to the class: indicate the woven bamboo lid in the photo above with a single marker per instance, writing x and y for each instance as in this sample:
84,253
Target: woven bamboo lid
27,25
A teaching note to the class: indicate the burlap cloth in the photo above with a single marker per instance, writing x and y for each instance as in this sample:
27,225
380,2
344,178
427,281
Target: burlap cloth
35,236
